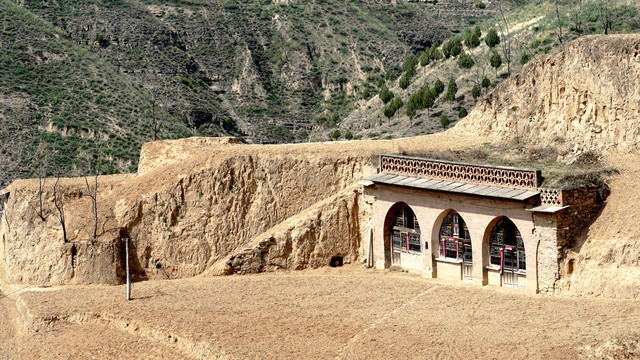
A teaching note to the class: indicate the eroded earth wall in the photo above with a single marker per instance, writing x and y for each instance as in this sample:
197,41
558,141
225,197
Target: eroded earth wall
588,96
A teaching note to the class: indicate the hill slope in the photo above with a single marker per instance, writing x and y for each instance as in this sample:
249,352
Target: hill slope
76,71
60,94
587,96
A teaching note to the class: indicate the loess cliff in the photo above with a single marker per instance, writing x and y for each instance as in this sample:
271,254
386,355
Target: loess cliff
196,204
587,95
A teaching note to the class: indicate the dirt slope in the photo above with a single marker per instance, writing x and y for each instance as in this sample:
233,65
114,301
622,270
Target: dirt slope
588,96
606,258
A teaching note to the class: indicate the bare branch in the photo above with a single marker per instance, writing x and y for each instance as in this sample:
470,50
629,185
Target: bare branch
58,201
93,193
559,21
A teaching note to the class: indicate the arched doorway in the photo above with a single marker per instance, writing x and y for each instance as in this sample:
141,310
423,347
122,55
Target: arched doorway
506,250
402,237
455,242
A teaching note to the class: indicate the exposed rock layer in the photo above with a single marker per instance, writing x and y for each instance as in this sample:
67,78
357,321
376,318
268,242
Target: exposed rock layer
587,95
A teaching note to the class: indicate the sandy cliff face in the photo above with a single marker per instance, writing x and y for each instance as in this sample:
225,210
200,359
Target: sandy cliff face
605,261
205,215
587,95
196,203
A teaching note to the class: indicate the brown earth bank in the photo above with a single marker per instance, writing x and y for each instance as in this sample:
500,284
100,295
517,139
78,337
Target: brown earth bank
587,96
343,313
194,203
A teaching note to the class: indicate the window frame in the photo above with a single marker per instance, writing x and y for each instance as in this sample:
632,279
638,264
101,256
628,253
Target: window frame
410,238
518,249
457,225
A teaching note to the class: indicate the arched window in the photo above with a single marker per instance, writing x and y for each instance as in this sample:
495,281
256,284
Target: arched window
455,242
405,232
506,246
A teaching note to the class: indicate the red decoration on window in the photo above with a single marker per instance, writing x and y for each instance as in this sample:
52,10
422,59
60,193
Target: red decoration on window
407,237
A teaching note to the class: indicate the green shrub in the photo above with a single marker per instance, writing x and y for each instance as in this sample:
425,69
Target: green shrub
465,61
452,47
394,106
525,57
385,94
348,135
462,113
410,63
444,121
492,39
438,86
404,81
335,135
486,82
472,37
475,92
390,75
535,43
495,60
452,89
480,5
302,134
425,58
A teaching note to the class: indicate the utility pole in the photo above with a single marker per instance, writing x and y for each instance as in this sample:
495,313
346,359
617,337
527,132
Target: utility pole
126,247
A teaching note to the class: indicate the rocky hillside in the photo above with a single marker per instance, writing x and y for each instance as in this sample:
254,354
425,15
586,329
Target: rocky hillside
527,33
586,97
129,71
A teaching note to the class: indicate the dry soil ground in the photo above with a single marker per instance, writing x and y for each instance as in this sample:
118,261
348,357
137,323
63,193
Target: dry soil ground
348,313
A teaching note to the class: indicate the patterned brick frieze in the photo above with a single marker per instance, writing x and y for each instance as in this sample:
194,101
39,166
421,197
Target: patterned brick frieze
551,196
468,173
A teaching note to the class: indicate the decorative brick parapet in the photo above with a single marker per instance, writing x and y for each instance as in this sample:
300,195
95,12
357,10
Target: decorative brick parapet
454,171
552,197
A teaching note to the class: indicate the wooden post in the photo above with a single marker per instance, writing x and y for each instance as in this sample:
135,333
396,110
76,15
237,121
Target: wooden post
126,247
370,252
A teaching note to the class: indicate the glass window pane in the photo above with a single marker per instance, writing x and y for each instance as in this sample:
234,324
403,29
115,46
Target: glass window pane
396,239
522,260
414,242
495,255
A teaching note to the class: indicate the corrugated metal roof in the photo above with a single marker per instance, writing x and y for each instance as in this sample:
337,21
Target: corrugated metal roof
452,187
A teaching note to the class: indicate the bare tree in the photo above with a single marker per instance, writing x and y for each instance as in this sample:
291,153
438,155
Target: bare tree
505,34
605,16
40,163
558,21
576,6
156,123
92,193
58,201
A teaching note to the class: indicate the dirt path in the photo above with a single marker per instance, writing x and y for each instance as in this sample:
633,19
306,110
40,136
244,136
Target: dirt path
347,313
